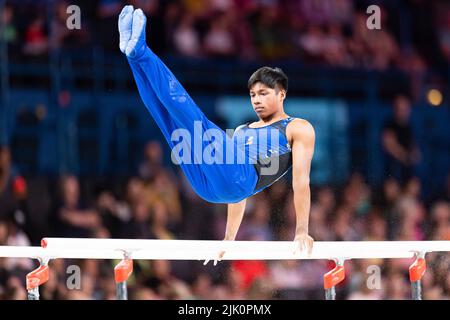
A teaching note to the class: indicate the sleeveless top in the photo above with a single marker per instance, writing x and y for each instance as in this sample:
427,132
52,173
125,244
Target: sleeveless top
268,150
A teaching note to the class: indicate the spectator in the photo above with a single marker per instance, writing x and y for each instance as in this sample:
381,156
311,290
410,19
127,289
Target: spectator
5,168
163,188
219,40
261,289
312,43
286,275
10,34
396,287
356,195
138,227
231,288
364,292
240,25
376,227
14,289
334,46
411,217
344,226
165,283
114,213
398,141
36,41
73,218
152,163
440,215
269,35
160,221
202,286
186,39
134,191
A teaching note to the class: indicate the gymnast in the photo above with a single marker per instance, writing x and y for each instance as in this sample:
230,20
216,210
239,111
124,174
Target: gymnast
224,168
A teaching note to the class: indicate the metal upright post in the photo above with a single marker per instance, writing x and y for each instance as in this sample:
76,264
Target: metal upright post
121,274
36,278
416,272
332,278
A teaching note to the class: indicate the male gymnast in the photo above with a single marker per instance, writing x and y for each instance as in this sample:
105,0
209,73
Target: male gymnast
230,182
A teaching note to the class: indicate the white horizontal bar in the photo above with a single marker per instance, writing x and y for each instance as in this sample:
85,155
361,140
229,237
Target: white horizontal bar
38,252
234,250
21,252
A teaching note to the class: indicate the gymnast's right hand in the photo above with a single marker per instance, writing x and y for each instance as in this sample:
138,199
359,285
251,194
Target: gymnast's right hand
132,32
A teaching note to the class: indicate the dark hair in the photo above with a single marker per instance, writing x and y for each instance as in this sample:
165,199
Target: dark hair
274,78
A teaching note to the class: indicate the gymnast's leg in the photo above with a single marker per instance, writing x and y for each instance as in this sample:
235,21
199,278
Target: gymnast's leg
172,108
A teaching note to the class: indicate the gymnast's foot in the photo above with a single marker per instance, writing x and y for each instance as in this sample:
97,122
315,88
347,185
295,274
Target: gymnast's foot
132,32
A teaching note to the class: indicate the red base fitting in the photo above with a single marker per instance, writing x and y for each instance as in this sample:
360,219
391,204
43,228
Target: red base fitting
37,277
44,243
333,277
417,269
123,270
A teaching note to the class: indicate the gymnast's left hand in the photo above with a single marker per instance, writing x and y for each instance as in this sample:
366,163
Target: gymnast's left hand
217,259
303,241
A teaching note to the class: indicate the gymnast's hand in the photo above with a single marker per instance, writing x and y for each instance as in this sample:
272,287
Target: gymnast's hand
132,32
303,241
219,257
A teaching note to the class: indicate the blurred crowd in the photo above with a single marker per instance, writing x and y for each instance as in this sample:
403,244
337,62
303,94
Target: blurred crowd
158,203
330,32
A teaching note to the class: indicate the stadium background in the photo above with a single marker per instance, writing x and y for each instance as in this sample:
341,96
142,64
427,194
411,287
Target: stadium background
81,157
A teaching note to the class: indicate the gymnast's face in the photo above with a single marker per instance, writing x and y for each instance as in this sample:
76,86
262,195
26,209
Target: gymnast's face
266,101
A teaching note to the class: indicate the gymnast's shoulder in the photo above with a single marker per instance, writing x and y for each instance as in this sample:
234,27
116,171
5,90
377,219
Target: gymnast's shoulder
300,128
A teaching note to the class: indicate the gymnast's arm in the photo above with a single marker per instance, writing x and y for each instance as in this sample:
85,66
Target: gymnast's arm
235,212
303,139
234,219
